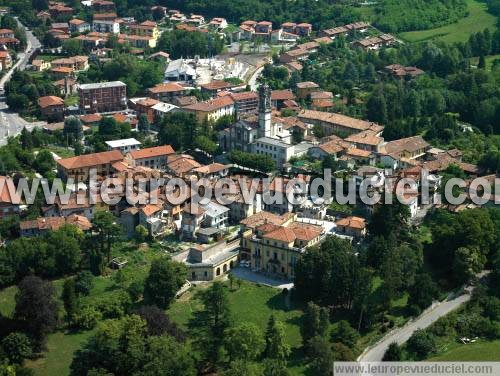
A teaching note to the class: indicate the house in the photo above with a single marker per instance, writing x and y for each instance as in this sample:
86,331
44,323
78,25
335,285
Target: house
334,123
67,86
401,72
160,56
78,26
51,107
212,171
360,27
9,199
246,32
90,119
102,96
106,26
40,65
154,157
263,29
146,29
245,101
352,226
305,89
334,32
289,27
192,218
77,204
63,26
218,23
103,6
150,216
321,100
62,72
166,92
281,36
81,165
294,55
278,97
160,109
208,262
126,145
107,16
196,19
303,29
76,63
42,225
181,165
374,43
367,140
211,110
57,10
275,249
43,15
409,148
5,60
214,87
333,147
7,33
216,215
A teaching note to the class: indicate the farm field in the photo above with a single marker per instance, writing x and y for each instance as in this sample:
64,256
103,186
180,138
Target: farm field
477,20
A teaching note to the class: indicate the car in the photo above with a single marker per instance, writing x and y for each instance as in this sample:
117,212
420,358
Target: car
245,264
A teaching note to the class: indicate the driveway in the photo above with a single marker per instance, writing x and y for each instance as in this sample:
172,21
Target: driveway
247,275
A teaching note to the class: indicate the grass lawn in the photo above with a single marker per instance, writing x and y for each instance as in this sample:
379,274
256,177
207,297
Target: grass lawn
7,302
479,351
477,20
488,60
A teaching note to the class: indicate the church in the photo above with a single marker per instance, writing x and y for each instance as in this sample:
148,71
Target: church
262,133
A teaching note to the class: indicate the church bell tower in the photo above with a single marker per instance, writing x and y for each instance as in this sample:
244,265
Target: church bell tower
265,111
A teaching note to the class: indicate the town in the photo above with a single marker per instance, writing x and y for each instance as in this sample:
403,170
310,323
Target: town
92,94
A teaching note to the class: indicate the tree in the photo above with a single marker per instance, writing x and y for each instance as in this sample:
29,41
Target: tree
393,353
165,278
106,231
321,355
213,321
44,162
467,263
259,162
315,322
86,318
423,291
421,344
276,346
158,323
84,281
73,128
242,368
141,233
17,102
69,298
16,347
143,123
205,144
376,107
36,307
72,47
244,342
346,334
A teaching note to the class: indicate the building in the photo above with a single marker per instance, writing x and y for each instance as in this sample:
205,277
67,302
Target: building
212,110
181,165
106,26
166,92
102,96
374,43
57,10
409,148
155,157
179,70
278,98
51,107
281,36
160,109
401,72
215,87
352,226
9,200
81,165
78,26
42,225
245,101
218,23
40,65
145,29
275,249
367,140
334,123
76,63
5,60
208,262
63,26
305,89
126,145
216,215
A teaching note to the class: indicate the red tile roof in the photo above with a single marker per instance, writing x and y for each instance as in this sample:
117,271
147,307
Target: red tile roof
152,152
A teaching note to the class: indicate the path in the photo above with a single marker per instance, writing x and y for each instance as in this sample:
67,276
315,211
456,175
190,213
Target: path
401,335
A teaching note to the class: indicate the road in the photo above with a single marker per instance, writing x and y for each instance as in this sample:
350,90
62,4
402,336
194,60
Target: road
252,82
401,335
11,123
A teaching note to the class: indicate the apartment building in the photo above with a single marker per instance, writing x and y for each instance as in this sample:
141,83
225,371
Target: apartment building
102,96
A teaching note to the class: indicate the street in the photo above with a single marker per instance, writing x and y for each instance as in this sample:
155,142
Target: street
11,124
401,335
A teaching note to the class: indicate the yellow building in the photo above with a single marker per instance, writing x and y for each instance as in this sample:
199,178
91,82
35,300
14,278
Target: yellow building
146,29
275,249
208,262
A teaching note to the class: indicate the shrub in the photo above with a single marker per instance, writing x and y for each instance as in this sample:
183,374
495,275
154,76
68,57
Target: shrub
84,281
421,344
87,318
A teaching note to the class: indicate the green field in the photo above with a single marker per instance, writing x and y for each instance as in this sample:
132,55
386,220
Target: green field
477,20
479,351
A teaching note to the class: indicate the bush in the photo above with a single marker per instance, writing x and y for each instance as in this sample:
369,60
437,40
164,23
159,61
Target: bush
114,306
84,281
421,344
17,347
87,318
135,290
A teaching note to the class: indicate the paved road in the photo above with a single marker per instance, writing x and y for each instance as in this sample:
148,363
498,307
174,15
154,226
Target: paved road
11,123
401,335
252,82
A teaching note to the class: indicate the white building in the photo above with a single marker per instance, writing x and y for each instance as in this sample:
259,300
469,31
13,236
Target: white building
126,145
104,26
179,70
